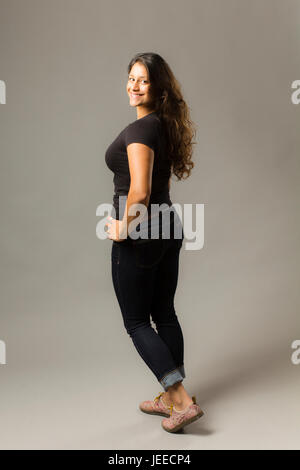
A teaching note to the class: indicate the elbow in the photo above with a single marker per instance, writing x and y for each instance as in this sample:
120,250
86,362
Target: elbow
141,197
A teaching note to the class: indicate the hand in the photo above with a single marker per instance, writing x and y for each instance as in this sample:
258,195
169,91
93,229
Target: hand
115,229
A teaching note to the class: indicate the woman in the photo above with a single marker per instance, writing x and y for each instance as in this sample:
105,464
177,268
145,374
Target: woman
145,268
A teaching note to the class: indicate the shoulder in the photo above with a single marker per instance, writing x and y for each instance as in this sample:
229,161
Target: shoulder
144,130
150,121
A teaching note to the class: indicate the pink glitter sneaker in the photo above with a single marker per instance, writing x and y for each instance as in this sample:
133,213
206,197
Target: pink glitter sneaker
155,407
179,419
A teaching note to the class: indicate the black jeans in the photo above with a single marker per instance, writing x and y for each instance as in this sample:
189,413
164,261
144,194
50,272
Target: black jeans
145,279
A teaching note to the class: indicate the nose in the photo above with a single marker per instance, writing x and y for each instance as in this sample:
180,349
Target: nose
134,86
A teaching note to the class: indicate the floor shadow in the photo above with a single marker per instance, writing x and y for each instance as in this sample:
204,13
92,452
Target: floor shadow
243,369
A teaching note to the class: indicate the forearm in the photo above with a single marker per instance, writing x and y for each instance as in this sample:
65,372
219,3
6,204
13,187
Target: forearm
132,199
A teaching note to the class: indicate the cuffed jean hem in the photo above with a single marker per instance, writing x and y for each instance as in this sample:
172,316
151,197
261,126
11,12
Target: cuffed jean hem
182,371
171,378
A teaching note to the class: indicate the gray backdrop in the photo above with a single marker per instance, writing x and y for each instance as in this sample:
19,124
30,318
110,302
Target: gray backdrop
73,378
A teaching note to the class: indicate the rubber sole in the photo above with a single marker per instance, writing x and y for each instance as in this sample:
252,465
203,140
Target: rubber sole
184,423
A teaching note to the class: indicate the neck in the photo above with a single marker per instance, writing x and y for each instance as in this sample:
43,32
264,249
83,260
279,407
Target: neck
140,113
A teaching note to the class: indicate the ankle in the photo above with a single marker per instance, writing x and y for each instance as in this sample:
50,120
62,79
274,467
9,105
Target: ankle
166,398
180,401
177,391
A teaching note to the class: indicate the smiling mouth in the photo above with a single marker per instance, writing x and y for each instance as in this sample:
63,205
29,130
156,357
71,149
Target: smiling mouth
134,94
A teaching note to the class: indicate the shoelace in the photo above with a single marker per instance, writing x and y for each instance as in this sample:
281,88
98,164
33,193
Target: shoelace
158,397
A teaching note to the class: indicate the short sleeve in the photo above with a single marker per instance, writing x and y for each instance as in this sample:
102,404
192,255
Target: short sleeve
142,132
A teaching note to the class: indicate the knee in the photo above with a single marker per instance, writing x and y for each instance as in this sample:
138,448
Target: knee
134,328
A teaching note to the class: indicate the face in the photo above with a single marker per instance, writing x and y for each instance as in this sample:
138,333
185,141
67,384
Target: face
138,86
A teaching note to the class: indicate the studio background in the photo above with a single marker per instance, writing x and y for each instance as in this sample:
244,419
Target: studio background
69,359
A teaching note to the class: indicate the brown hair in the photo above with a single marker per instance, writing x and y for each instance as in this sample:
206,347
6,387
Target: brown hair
172,110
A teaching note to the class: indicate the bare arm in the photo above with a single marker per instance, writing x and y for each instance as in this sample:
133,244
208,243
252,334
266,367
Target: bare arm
140,159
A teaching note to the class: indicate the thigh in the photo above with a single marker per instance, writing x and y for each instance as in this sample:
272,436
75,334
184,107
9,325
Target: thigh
133,285
166,279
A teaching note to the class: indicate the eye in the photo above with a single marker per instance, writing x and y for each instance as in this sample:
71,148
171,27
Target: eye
131,78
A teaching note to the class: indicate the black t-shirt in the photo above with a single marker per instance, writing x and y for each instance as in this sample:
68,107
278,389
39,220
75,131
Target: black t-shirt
146,130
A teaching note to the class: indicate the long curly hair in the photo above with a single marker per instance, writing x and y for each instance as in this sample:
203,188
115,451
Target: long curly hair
178,128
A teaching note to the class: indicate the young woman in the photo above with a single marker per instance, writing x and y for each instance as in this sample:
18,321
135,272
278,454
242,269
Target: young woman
145,268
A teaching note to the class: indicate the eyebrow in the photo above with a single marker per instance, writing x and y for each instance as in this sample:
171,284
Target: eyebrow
142,76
